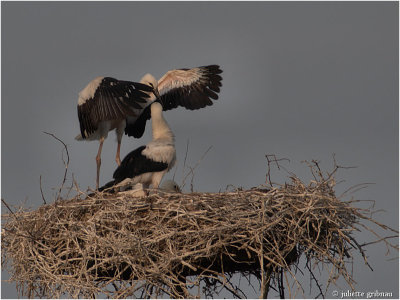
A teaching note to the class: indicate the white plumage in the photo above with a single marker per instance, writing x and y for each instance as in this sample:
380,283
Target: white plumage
103,105
88,92
106,103
148,164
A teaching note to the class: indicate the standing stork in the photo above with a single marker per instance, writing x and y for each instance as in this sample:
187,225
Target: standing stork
107,104
103,105
148,164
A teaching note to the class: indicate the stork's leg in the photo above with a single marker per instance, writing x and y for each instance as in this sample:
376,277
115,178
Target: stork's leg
98,161
117,157
120,132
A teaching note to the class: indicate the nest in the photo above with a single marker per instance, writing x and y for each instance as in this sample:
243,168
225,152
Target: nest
167,244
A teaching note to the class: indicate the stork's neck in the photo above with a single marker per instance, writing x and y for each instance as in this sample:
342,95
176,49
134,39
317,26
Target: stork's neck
160,127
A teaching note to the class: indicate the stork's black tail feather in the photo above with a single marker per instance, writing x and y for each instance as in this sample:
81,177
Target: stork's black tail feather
108,185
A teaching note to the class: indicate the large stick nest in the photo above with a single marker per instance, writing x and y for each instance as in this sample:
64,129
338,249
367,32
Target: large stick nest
121,245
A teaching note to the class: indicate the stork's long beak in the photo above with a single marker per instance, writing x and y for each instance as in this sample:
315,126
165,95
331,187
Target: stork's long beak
158,97
156,93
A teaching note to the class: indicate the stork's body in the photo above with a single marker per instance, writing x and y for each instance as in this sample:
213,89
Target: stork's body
107,104
103,105
148,164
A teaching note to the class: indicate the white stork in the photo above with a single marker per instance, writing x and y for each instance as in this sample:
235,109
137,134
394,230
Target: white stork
148,164
107,104
103,105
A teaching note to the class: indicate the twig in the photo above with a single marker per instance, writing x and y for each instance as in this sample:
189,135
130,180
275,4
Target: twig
280,284
184,163
269,161
360,249
41,191
5,203
191,171
355,188
315,279
66,164
380,240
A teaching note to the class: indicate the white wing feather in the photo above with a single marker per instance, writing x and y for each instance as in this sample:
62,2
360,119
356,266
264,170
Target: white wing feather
177,79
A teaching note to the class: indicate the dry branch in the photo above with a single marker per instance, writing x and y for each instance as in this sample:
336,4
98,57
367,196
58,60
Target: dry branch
124,246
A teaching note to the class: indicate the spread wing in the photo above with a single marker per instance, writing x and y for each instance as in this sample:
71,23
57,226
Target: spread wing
106,98
191,88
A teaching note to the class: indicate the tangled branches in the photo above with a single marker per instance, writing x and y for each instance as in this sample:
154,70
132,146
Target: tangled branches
167,244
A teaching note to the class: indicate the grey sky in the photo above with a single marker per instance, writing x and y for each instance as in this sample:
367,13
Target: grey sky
301,80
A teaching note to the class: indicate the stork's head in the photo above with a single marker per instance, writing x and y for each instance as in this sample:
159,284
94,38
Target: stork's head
149,79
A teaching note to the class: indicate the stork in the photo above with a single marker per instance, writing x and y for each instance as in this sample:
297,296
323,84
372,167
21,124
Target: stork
114,104
103,105
148,164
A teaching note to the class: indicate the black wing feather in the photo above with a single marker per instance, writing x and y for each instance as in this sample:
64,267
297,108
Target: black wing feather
198,94
137,128
193,97
113,99
135,163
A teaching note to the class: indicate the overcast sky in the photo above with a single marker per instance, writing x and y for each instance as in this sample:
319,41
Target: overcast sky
301,80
